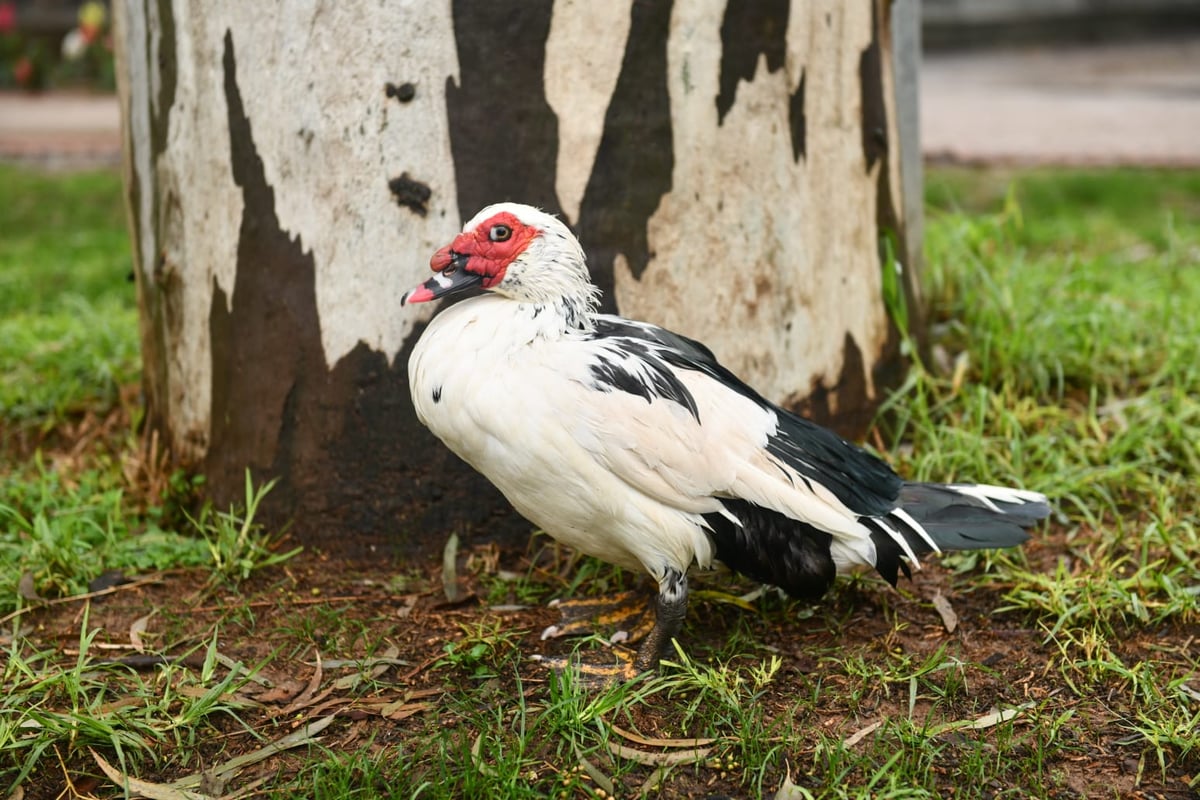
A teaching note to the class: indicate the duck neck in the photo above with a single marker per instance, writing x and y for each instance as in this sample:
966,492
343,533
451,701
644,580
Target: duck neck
559,318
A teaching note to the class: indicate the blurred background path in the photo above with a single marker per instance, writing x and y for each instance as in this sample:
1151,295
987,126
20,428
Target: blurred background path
1099,104
1129,103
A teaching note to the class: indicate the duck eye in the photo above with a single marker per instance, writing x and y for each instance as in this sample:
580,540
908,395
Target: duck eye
500,233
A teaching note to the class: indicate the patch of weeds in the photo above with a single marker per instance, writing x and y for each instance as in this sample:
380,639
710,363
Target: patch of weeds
1064,358
370,772
910,757
485,648
600,577
892,771
866,677
178,494
718,688
332,630
57,711
60,235
56,366
503,588
1152,697
236,543
1072,373
512,749
59,534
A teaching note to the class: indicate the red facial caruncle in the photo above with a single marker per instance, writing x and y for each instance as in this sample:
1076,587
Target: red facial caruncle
477,256
490,247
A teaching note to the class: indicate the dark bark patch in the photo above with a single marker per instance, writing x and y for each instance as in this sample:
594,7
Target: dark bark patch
167,72
263,345
503,133
750,30
852,411
357,474
872,64
411,194
156,297
636,156
874,109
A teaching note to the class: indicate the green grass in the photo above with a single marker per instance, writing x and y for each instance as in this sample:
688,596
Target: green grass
1077,353
1064,356
69,514
68,323
68,345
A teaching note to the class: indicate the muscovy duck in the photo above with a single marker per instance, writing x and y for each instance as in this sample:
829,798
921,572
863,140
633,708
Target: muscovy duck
633,444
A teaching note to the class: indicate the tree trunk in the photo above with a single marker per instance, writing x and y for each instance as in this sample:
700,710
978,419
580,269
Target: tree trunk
732,170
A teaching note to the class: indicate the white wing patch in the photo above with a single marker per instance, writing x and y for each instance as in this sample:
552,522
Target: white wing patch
660,448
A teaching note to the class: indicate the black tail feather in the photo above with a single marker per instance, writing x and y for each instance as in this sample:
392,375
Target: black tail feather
952,517
776,549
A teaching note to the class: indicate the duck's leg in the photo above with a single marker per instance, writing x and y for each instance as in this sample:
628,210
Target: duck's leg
670,608
623,664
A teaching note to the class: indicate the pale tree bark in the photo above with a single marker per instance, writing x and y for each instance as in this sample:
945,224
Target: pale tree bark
731,168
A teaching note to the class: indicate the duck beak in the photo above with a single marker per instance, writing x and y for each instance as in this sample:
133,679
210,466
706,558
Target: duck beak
450,275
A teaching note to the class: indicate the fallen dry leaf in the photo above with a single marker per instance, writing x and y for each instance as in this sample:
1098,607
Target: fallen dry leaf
450,570
309,696
949,618
282,692
659,759
790,791
402,710
639,739
27,588
858,736
136,629
135,786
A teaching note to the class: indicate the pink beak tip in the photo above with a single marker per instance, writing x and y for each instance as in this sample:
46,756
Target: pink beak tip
417,295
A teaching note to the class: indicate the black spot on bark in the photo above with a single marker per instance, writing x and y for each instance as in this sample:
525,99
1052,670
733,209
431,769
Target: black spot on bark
411,194
796,120
405,92
437,394
636,155
357,473
749,30
503,133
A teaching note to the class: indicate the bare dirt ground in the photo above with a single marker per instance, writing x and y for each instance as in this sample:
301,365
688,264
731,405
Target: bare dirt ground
318,610
272,612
